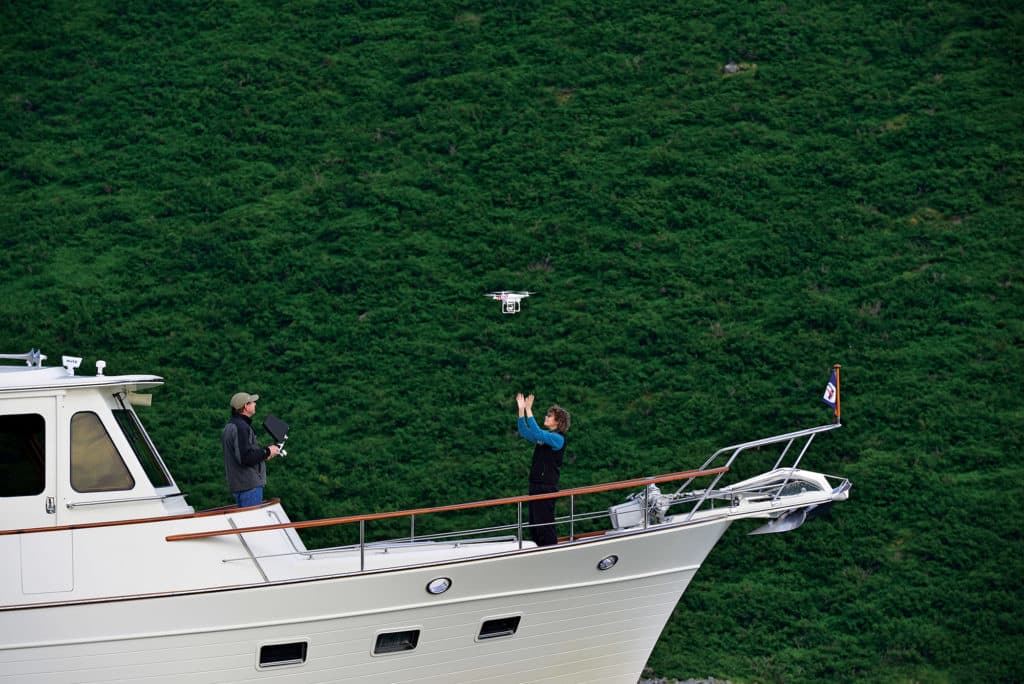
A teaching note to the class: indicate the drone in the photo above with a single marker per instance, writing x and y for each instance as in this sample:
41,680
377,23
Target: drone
509,300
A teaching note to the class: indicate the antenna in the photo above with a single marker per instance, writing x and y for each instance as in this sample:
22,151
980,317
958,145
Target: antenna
32,358
70,363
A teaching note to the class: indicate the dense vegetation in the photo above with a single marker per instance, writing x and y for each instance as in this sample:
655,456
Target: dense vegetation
715,202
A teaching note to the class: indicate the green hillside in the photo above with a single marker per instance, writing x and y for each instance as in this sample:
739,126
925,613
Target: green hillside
715,202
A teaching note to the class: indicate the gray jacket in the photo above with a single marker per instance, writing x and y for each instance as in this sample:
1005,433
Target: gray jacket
244,459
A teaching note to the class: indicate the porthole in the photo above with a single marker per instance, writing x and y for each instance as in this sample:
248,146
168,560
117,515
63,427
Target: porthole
275,655
396,642
607,563
439,585
498,627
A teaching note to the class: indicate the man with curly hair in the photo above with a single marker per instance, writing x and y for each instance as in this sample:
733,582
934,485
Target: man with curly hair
546,466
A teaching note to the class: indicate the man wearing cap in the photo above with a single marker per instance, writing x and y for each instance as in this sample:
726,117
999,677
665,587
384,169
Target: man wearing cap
244,459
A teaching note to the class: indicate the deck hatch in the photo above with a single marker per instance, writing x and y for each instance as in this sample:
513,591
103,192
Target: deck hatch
396,642
272,655
499,627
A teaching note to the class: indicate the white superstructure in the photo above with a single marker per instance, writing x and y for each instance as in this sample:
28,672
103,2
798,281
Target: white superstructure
107,574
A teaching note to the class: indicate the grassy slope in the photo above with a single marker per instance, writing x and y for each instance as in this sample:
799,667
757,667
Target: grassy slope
308,200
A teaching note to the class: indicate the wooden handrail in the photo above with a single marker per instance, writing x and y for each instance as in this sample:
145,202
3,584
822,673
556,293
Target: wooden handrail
327,522
139,521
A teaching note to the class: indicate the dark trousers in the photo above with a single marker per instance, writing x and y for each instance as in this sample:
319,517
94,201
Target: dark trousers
542,517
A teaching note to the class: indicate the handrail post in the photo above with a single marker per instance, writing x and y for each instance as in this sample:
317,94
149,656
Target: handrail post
519,523
807,445
572,516
710,487
644,511
796,464
412,527
362,545
783,454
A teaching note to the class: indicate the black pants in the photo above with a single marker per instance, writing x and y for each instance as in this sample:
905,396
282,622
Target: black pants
542,515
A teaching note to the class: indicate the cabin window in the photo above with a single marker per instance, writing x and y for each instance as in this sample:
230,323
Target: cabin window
396,642
499,627
142,447
22,455
96,466
283,654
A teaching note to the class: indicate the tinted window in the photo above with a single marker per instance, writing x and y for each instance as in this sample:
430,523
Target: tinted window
22,455
95,464
143,448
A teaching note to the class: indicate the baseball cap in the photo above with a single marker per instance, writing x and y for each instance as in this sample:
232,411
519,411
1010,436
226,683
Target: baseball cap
240,399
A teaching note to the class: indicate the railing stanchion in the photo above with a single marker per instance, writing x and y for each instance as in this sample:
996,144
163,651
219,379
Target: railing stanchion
362,545
572,517
412,527
519,523
644,511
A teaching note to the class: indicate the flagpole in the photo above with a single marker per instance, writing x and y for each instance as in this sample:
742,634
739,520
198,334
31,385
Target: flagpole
836,367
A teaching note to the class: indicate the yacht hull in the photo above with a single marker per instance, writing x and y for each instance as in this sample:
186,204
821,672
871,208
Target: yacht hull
577,623
107,574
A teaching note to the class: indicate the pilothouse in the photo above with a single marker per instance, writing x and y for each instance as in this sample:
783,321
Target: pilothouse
54,421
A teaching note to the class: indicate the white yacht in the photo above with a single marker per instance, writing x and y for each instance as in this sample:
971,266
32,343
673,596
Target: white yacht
108,575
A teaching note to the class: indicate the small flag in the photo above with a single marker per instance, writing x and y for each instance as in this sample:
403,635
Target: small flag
830,391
